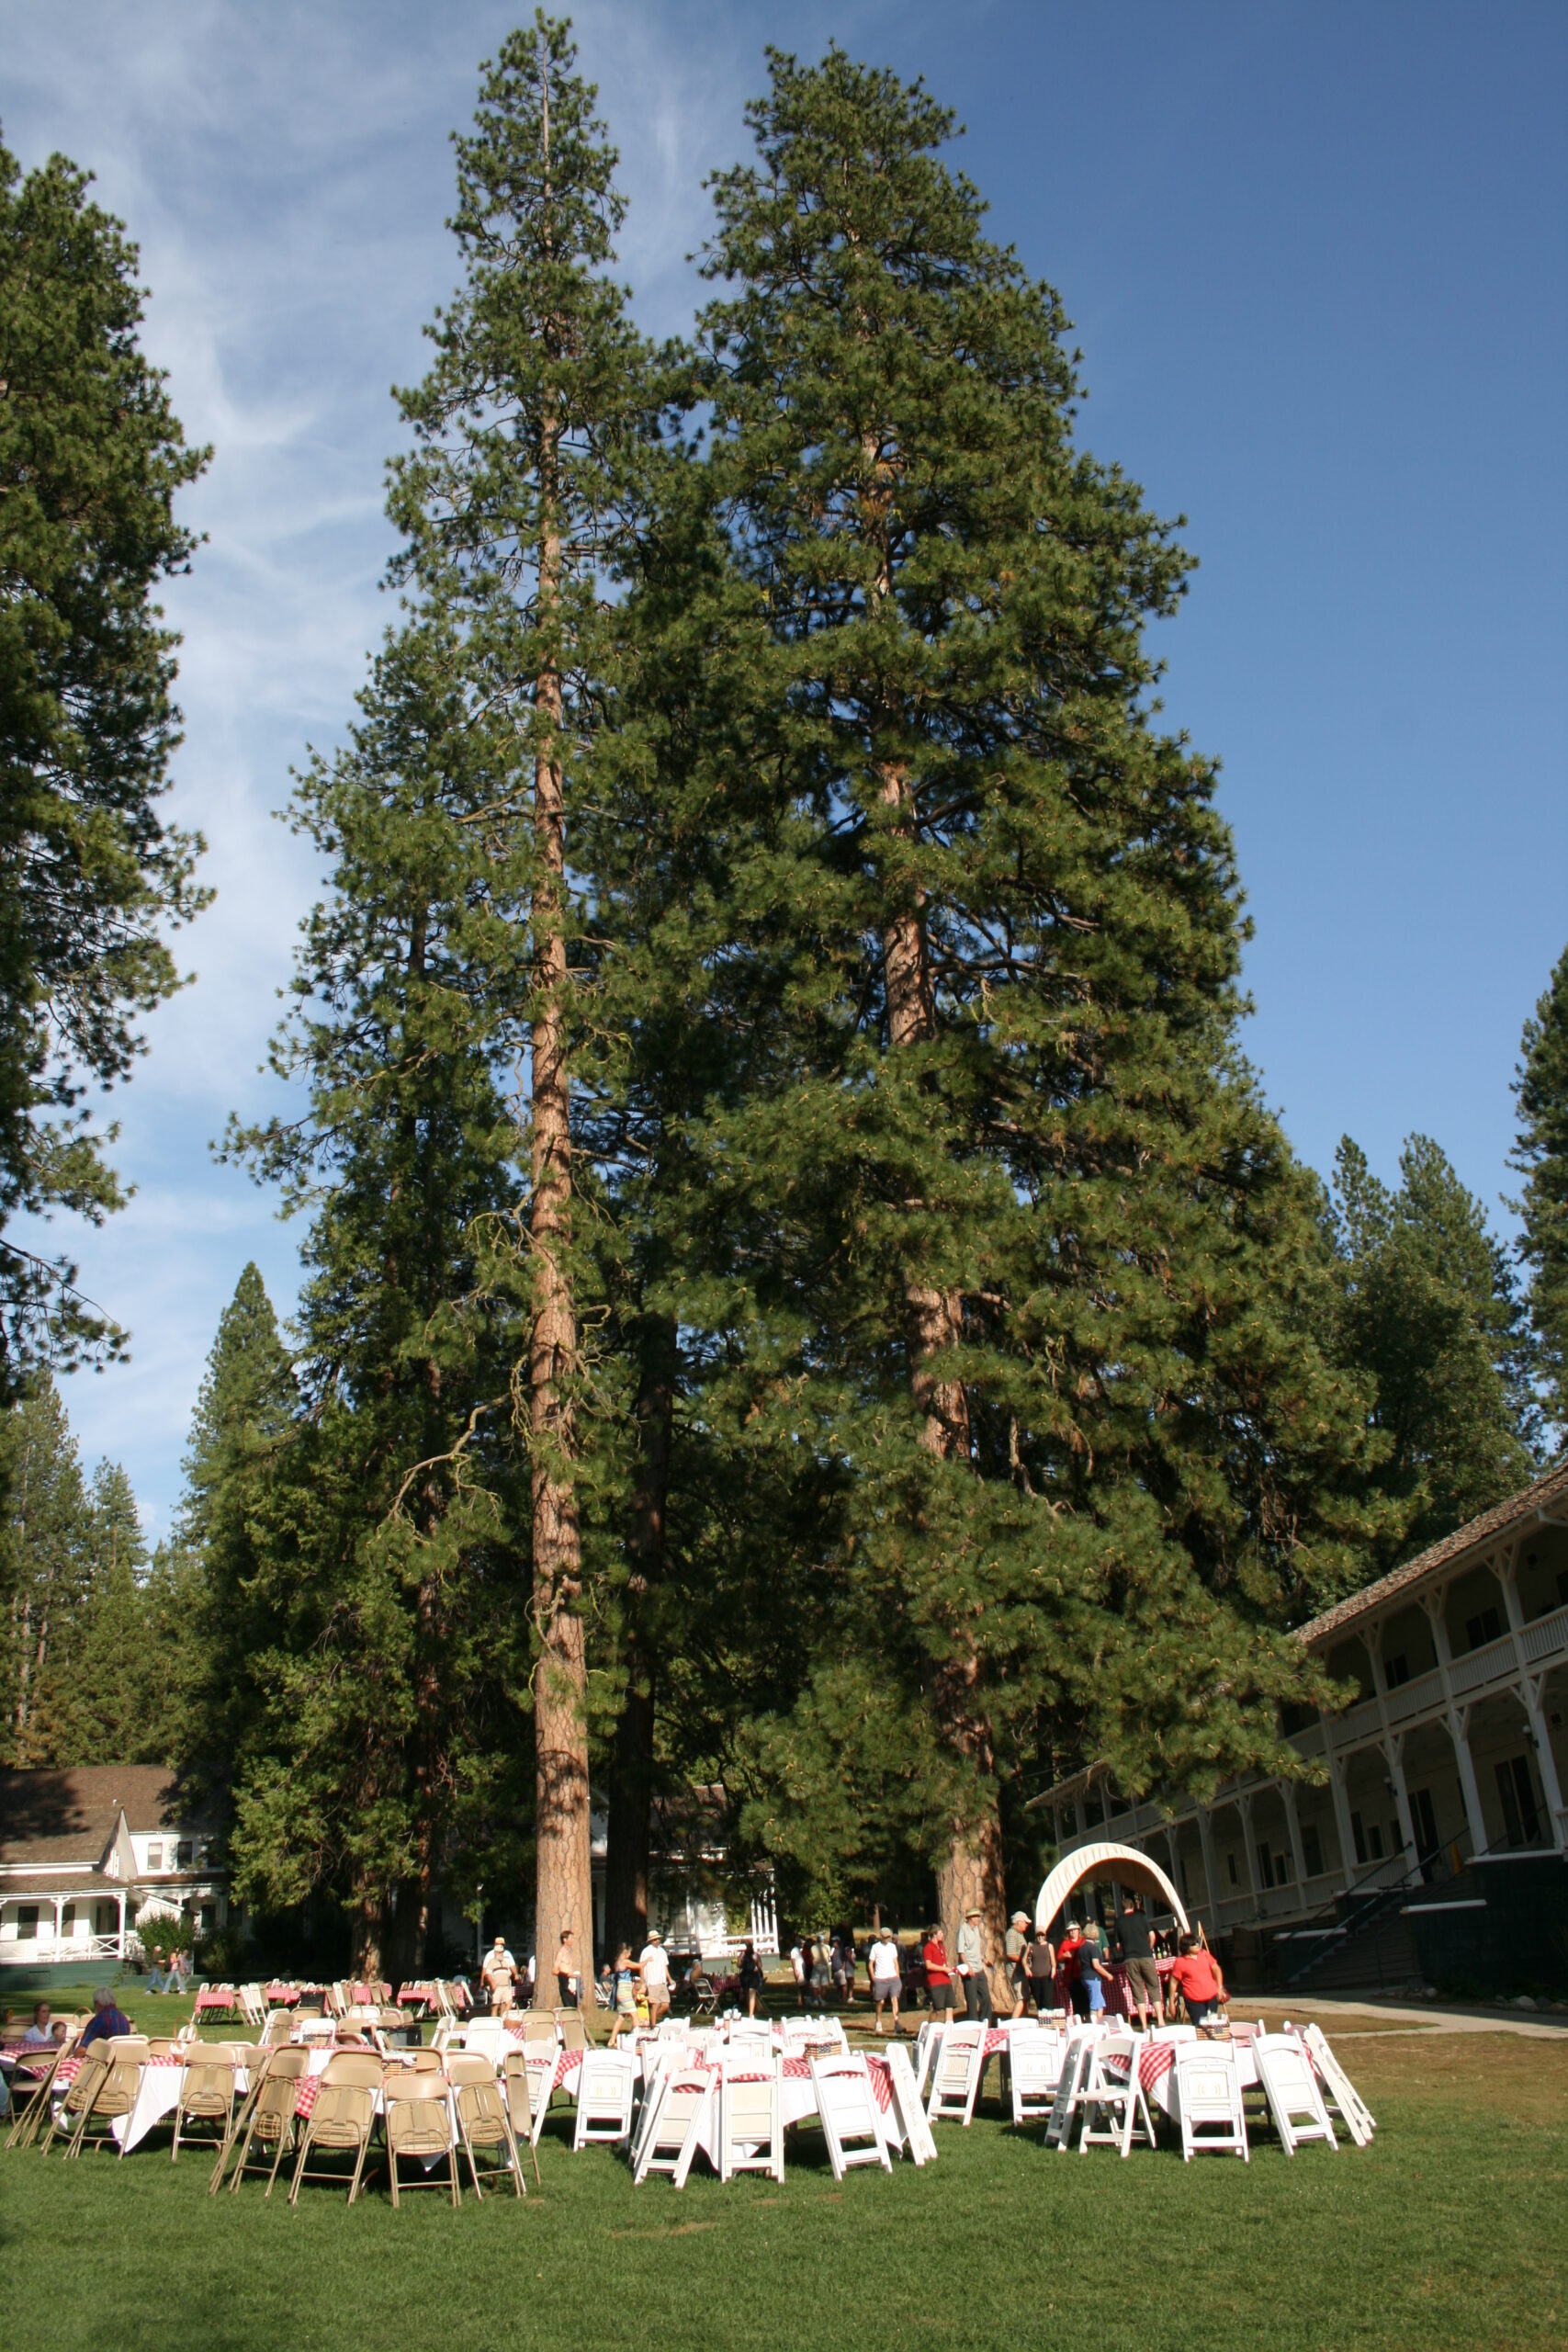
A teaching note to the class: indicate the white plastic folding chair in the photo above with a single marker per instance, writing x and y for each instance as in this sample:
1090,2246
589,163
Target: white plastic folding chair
1353,2110
656,2058
1070,2081
1296,2102
1034,2067
683,2109
956,2069
928,2041
606,2082
1208,2100
847,2105
750,2113
750,2033
1113,2089
675,2029
920,2140
489,2036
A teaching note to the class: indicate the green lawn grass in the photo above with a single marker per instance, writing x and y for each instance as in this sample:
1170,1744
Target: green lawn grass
1450,2230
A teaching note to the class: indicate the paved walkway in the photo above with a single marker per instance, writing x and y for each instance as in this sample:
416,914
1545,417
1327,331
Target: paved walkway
1394,2017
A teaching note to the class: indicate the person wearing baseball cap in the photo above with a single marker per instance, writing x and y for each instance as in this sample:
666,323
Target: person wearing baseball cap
972,1965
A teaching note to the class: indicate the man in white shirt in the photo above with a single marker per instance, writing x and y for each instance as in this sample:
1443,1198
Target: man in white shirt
654,1967
499,1974
882,1964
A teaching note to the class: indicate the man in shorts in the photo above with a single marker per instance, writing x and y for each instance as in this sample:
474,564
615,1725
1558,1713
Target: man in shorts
654,1969
882,1963
1138,1960
499,1974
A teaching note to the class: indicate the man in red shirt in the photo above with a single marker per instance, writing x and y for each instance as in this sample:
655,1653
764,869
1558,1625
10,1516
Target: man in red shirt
939,1975
1196,1974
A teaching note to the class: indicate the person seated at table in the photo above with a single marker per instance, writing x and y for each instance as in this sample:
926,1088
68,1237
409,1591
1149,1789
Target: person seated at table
1138,1960
1196,1975
106,2020
40,2035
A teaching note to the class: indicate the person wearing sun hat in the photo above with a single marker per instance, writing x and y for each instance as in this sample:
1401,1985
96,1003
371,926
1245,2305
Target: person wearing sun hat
972,1965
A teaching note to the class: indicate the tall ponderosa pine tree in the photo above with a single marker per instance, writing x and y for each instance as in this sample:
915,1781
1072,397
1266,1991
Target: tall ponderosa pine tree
1541,1156
513,506
392,1540
91,457
1006,1218
45,1567
1429,1311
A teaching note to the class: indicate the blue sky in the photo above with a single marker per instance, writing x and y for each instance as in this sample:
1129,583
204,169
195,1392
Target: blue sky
1317,260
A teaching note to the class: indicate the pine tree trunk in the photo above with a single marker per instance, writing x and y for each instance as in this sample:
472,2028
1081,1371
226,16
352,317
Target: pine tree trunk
368,1939
631,1778
564,1893
934,1323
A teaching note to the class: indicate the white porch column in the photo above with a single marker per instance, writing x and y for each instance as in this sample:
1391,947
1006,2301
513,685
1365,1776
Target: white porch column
121,1901
1081,1817
1457,1724
1546,1763
1392,1747
1342,1816
1244,1806
1292,1822
1211,1866
59,1918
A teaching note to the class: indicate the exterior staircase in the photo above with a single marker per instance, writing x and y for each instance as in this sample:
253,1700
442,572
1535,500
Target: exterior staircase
1375,1952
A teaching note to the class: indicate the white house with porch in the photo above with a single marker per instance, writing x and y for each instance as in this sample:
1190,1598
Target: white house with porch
87,1854
1441,1791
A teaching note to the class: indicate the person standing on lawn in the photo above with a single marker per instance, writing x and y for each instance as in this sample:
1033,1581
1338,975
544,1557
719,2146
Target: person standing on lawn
1093,1974
752,1978
566,1971
972,1966
1041,1964
1069,1986
1138,1960
1196,1975
939,1975
624,1995
882,1964
1015,1945
499,1976
654,1967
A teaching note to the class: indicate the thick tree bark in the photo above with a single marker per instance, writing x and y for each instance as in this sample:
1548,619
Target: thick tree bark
631,1773
971,1873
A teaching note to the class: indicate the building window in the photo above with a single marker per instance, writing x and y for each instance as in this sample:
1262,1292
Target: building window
1396,1670
105,1918
68,1920
185,1854
1312,1850
1374,1839
1521,1823
1230,1865
26,1922
155,1855
1486,1627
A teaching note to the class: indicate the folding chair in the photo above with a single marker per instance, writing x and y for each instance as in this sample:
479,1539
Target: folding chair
483,2120
683,2104
32,2094
417,2119
525,2085
1208,2098
606,2085
658,2058
208,2087
750,2114
956,2069
1075,2069
1354,2112
928,2041
1034,2067
847,2105
115,2093
341,2120
1286,2074
1114,2089
573,2033
267,2116
919,2137
64,2119
750,2033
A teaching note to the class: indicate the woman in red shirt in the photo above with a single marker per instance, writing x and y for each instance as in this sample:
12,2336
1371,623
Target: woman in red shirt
1196,1973
939,1977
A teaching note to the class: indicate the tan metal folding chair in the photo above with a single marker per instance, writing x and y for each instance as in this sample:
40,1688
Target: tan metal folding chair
115,2094
267,2117
341,2120
206,2087
483,2120
419,2123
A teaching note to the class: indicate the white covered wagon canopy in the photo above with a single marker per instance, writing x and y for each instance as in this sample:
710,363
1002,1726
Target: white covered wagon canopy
1125,1864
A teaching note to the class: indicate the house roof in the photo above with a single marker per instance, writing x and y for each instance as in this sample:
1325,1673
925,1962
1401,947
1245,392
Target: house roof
1538,1498
88,1883
69,1816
